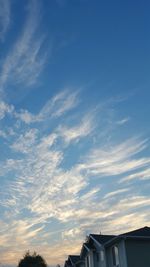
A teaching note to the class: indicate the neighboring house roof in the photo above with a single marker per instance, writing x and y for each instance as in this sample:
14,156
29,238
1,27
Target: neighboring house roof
92,240
74,259
102,239
141,233
85,248
67,264
145,231
89,246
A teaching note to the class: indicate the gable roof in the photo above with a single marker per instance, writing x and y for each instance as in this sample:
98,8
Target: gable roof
91,243
85,248
102,239
74,258
138,234
67,263
144,231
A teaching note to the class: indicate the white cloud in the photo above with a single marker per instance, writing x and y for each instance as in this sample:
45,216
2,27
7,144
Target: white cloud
60,104
24,63
90,195
42,195
115,193
123,121
5,109
25,116
85,127
118,159
55,107
25,142
141,175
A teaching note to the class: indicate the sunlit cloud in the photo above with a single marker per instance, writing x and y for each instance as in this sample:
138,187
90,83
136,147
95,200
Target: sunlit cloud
41,192
117,159
70,166
115,193
141,175
85,127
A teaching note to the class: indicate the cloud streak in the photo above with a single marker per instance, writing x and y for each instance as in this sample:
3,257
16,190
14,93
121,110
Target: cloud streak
54,108
47,191
5,10
25,62
117,159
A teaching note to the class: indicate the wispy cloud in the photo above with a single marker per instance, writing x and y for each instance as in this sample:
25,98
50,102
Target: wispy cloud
140,175
5,109
55,107
5,7
25,61
82,130
123,121
115,193
46,194
60,104
117,159
25,142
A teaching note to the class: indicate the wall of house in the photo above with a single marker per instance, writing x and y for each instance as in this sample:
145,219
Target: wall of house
138,253
97,258
122,255
89,262
80,264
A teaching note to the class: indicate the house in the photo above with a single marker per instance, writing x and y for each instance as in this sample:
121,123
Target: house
93,251
131,249
74,261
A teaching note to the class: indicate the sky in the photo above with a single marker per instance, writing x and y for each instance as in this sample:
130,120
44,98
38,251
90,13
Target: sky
74,123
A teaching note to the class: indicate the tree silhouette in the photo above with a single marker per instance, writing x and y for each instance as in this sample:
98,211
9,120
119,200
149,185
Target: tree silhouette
33,260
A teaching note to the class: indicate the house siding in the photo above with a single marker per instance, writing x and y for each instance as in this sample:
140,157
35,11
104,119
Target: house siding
99,263
122,255
91,262
138,253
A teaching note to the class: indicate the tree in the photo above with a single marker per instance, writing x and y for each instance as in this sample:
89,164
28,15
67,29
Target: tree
33,260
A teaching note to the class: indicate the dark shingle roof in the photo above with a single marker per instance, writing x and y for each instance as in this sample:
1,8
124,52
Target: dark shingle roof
102,239
88,245
138,234
74,258
145,231
67,263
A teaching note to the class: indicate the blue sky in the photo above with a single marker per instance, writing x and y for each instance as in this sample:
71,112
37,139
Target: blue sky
74,123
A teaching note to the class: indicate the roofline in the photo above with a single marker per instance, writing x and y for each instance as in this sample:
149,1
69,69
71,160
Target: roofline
110,242
99,244
66,262
72,261
79,261
84,245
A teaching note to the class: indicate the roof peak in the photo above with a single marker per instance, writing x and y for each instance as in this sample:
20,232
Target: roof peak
143,231
100,235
